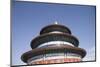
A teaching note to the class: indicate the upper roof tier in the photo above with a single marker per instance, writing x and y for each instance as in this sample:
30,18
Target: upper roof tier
55,27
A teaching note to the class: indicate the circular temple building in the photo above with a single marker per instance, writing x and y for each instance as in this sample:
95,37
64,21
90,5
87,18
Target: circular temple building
55,44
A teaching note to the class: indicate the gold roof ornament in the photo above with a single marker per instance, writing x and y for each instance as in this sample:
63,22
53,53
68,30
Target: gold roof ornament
55,22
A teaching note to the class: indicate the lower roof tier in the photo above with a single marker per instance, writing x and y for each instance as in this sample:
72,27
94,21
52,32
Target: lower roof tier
54,37
40,51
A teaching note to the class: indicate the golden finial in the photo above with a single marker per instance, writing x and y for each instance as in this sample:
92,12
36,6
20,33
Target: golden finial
55,22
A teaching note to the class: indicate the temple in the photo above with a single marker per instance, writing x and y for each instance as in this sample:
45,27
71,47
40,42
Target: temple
55,44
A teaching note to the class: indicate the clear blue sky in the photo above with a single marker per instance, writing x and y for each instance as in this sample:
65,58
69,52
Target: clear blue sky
28,19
